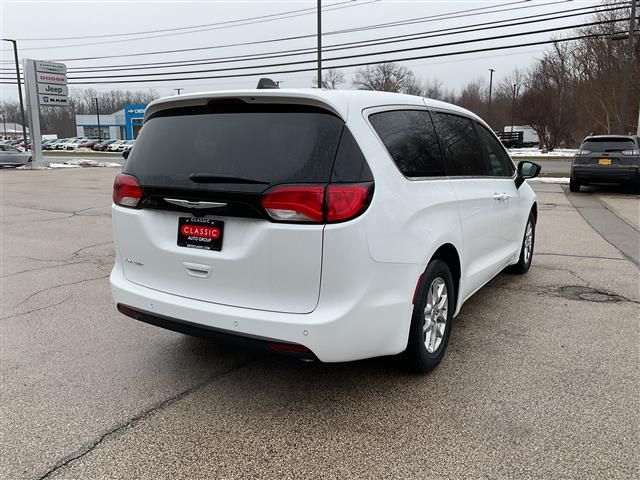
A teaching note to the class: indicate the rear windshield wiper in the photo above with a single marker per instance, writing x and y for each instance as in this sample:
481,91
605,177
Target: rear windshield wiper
217,178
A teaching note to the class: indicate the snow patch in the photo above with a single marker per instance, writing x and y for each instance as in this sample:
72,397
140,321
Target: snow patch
536,152
83,162
562,180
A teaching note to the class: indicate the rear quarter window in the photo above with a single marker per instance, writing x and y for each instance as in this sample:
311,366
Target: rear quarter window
410,139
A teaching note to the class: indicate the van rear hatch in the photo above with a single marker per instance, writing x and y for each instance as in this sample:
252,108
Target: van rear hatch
200,231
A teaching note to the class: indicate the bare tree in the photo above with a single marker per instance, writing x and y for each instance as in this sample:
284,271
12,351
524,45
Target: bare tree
331,79
387,77
548,104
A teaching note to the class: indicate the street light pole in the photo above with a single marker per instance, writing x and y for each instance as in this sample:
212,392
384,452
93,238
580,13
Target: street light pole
627,68
98,115
491,70
513,106
319,44
15,56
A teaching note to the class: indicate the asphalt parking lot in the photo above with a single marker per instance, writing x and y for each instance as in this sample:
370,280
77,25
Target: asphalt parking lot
541,379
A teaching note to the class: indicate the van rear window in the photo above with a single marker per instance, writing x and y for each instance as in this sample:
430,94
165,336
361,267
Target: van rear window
268,144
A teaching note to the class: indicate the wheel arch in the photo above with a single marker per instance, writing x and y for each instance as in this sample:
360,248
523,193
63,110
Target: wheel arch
534,211
448,253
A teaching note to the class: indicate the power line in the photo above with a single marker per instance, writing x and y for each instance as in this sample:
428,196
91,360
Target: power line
413,20
223,27
348,57
350,45
351,65
226,22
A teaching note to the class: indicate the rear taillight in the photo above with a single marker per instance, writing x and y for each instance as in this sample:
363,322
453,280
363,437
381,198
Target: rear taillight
631,153
346,201
126,191
312,204
295,203
583,152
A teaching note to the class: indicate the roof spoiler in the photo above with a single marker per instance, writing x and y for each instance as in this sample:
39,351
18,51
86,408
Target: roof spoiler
265,83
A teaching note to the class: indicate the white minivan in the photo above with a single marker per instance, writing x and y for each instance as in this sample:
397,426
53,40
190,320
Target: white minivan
330,225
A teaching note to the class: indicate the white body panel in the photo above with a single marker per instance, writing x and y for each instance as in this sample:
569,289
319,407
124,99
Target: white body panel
342,290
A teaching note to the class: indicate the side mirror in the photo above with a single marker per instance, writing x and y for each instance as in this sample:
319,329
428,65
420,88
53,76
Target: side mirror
125,154
526,170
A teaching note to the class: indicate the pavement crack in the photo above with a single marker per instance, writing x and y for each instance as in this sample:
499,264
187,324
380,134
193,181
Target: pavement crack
121,428
37,309
58,286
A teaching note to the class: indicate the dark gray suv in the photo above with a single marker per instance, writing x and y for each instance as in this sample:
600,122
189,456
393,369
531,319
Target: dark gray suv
607,159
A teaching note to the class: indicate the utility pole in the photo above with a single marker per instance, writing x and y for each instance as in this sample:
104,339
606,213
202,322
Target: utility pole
491,70
98,115
178,90
4,125
319,44
513,105
627,68
15,56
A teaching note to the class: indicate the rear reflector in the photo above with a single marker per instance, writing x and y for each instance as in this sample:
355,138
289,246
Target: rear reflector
126,191
288,347
295,203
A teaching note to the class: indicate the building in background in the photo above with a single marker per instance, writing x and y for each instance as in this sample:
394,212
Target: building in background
11,131
122,125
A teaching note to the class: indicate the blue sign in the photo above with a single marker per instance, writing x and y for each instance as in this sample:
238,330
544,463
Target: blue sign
133,115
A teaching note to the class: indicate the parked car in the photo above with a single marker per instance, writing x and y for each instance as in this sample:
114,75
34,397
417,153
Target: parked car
607,159
89,143
10,156
75,144
128,145
53,145
102,146
329,235
63,144
115,145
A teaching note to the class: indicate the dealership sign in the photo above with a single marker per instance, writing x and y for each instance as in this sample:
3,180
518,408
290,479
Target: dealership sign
50,89
53,100
51,67
45,86
51,80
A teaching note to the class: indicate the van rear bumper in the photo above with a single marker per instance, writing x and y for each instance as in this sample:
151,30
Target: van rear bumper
375,322
215,334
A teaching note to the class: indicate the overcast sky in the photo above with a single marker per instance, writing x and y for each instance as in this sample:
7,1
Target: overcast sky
32,22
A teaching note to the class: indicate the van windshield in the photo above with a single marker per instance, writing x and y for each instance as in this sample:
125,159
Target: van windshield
271,143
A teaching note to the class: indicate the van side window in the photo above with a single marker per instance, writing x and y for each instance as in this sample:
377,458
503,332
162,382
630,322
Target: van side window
350,164
460,145
500,164
410,139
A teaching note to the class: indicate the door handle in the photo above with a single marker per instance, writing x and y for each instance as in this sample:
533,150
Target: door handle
497,196
506,197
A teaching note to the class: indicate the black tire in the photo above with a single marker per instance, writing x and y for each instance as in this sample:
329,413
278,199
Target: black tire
574,186
416,357
524,264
